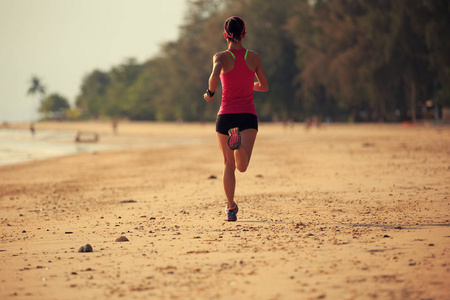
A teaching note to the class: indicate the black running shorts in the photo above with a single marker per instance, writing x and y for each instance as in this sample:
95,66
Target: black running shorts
243,121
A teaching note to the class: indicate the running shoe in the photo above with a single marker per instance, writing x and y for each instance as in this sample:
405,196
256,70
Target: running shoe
234,141
231,213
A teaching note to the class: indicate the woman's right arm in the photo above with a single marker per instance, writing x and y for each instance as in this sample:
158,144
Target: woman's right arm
215,76
262,85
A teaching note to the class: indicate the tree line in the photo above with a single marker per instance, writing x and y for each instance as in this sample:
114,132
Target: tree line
337,59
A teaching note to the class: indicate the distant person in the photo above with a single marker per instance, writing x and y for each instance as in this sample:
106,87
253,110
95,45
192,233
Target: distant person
32,129
319,121
308,123
237,122
114,125
78,137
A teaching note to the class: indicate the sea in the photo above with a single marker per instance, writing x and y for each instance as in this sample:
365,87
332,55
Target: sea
20,145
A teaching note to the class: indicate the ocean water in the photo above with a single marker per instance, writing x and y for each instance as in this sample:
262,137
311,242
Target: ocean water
17,146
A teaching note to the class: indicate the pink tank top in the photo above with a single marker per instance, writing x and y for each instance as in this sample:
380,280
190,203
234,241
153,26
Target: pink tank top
237,86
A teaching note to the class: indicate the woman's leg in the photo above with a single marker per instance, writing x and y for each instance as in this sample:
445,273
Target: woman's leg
244,153
239,159
229,179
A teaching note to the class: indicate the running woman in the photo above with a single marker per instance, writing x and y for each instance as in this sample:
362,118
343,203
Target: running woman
237,122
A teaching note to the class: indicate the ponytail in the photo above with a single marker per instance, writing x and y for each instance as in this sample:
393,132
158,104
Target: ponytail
234,29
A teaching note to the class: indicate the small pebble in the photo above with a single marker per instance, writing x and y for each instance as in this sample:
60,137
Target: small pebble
128,201
122,239
87,248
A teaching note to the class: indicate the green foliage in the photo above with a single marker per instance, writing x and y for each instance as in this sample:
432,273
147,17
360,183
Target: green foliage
36,87
73,114
334,58
54,106
370,54
92,99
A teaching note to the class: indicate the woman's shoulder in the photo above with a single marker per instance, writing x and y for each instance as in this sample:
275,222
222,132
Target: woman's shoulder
253,58
221,54
224,58
252,53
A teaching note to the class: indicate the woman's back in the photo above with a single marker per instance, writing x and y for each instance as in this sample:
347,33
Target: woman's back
229,61
237,84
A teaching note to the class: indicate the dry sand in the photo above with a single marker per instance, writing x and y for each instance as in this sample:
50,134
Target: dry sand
341,212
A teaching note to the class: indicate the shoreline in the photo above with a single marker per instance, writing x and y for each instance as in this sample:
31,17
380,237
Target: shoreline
54,139
341,212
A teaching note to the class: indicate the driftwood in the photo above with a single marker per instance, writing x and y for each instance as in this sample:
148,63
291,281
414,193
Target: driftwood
86,137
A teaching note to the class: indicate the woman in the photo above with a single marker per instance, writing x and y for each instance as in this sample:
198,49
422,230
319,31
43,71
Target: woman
237,122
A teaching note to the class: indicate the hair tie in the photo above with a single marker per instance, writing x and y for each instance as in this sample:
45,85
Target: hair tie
225,29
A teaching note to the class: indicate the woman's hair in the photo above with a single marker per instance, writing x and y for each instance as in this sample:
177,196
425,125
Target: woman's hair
234,28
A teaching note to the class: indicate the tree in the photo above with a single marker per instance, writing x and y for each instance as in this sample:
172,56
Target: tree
118,103
343,59
436,31
54,106
372,56
36,87
93,99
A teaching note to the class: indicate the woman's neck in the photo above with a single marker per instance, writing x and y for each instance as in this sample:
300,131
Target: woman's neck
235,46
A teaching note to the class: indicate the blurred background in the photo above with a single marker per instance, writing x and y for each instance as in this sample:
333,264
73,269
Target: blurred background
335,60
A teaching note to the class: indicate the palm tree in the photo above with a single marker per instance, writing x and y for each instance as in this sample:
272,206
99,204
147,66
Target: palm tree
36,87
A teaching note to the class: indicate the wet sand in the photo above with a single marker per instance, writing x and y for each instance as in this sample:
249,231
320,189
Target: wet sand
340,212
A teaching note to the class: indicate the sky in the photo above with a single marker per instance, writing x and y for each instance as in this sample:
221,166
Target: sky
61,41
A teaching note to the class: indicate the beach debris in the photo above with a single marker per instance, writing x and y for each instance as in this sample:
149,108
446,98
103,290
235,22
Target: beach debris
86,248
122,239
375,250
197,252
259,176
297,225
128,201
68,232
368,144
212,177
86,137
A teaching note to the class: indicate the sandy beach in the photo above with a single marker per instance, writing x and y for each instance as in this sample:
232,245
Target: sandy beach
340,212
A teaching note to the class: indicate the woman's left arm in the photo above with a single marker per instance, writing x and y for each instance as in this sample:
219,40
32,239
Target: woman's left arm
262,85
